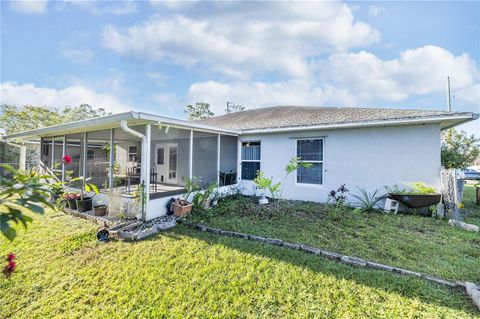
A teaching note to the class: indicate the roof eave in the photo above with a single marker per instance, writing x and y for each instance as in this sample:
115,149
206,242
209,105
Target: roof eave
449,120
113,121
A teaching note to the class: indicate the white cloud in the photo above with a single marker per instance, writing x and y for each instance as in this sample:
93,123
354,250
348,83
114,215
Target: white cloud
75,48
357,79
97,7
261,94
375,10
420,71
25,94
241,38
29,7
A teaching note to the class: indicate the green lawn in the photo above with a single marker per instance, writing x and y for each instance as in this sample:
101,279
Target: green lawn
63,272
471,208
417,243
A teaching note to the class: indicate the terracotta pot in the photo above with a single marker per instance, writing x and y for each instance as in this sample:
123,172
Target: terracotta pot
100,210
181,211
84,205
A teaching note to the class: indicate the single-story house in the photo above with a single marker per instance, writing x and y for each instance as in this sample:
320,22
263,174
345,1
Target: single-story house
360,147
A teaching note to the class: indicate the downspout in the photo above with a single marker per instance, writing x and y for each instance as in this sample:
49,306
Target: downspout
144,172
23,154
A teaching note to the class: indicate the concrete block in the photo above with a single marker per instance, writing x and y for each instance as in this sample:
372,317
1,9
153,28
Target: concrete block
474,292
465,226
353,261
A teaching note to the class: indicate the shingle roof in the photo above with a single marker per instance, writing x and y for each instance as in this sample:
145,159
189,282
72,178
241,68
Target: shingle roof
297,116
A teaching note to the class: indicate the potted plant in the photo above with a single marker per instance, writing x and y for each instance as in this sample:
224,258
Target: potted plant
71,199
100,208
420,195
57,191
84,202
181,206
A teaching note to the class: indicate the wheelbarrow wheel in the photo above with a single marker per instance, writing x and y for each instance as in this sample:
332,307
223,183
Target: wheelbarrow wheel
102,234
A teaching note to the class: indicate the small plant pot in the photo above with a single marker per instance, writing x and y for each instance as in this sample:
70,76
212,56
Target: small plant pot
100,210
181,210
84,205
72,203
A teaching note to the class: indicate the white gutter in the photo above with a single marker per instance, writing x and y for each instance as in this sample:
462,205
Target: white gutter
23,154
465,118
144,173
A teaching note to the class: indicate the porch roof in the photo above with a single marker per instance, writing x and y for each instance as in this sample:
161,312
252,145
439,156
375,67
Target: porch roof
113,121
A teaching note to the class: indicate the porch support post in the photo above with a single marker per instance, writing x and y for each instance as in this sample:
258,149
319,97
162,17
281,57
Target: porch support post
53,154
64,150
84,155
110,160
146,162
23,157
190,156
239,160
218,159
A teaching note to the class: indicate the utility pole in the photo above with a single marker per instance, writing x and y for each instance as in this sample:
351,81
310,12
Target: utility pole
449,100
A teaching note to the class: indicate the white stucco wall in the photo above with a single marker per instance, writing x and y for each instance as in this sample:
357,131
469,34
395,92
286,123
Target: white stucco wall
369,158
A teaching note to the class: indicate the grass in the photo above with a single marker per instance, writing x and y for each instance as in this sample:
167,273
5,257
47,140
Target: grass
472,209
63,272
413,242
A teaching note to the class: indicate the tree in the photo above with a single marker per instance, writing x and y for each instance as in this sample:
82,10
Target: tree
28,117
458,149
82,112
17,119
199,111
232,108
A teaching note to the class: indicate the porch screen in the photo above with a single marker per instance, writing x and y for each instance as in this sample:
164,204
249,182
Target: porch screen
250,159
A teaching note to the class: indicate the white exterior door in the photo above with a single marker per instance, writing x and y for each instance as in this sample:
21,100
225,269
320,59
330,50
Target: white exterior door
166,162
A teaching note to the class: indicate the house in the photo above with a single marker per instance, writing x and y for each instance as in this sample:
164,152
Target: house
368,148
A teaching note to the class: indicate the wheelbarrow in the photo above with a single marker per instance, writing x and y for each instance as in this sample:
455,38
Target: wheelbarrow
105,233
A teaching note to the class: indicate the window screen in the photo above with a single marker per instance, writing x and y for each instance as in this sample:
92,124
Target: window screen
310,151
251,152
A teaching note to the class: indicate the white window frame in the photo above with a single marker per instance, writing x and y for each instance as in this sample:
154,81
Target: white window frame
320,162
249,161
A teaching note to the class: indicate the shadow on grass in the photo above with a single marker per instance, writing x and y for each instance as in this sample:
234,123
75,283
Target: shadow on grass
406,286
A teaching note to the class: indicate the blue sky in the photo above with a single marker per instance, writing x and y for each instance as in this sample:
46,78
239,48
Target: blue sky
159,56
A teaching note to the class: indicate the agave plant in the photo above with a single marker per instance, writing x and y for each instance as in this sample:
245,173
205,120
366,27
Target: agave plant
367,200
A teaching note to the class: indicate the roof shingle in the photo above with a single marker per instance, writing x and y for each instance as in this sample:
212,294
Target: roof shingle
294,116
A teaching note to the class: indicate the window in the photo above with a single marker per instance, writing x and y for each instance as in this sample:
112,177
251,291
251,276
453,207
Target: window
172,162
45,149
250,160
160,156
310,151
132,153
91,154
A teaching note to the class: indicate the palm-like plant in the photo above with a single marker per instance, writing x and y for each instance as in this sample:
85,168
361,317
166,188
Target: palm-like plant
367,200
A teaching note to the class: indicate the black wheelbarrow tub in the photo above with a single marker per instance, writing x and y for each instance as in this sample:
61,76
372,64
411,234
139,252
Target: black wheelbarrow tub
416,201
